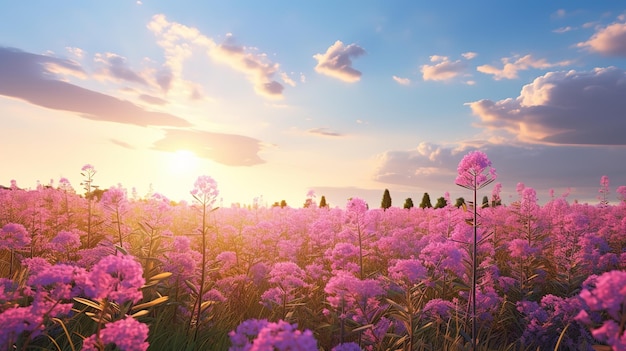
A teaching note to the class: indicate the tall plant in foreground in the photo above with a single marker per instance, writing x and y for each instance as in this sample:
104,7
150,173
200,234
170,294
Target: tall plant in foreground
474,173
205,193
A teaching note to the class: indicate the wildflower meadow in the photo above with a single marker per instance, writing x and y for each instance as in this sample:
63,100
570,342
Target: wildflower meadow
84,268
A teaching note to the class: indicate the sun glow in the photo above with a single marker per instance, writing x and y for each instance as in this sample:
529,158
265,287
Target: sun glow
183,162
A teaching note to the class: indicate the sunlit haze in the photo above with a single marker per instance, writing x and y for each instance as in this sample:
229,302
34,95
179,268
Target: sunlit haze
347,99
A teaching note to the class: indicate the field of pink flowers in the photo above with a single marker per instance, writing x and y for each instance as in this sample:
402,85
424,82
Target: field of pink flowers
88,270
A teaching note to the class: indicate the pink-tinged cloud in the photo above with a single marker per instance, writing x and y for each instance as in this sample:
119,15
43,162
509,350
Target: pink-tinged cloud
115,67
179,41
153,100
26,76
512,65
401,81
336,62
609,41
443,69
575,108
549,167
227,149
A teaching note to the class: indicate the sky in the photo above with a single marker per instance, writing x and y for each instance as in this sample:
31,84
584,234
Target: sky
280,100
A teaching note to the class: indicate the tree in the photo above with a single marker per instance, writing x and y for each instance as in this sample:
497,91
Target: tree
441,202
426,201
485,201
323,202
386,202
459,202
408,203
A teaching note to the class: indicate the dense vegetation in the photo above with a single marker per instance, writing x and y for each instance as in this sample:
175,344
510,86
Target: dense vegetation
113,270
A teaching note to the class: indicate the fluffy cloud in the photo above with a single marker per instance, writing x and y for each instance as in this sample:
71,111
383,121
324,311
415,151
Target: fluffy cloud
179,41
227,149
336,62
443,68
33,78
584,108
512,65
609,40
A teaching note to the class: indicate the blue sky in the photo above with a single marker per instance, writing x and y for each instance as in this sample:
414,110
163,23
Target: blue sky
348,98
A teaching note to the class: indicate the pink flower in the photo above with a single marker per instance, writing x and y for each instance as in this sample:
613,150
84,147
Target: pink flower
409,271
14,237
66,240
118,278
471,171
279,336
205,190
127,335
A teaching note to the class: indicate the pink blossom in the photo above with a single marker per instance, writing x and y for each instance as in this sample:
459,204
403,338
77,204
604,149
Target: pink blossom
356,206
520,248
609,293
348,346
126,334
66,240
205,190
409,271
279,336
471,170
14,236
116,277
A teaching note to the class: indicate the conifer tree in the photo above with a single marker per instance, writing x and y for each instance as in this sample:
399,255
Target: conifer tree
441,202
426,201
485,201
408,203
459,202
323,202
386,202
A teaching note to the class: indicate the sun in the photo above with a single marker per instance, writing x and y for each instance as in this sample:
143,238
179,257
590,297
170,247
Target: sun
183,162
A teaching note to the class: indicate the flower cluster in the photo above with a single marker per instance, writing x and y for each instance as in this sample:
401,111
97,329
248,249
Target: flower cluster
126,334
259,335
471,171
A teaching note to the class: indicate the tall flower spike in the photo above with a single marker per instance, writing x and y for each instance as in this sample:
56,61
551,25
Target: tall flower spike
475,171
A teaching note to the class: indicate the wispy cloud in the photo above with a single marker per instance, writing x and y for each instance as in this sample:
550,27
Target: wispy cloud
324,132
401,81
227,149
512,65
609,40
336,62
179,42
32,78
580,108
116,67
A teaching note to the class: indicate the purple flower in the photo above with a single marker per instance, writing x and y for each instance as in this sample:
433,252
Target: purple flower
609,294
471,171
348,346
14,237
127,334
205,190
260,335
409,271
118,278
66,240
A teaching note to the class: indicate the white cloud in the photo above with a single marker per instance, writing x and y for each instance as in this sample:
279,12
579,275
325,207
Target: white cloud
581,108
443,69
512,65
609,40
336,62
401,81
179,42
